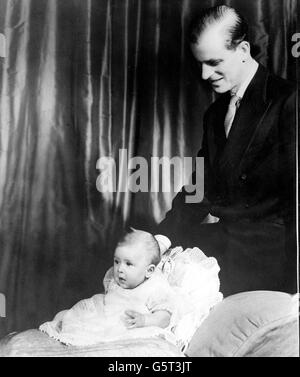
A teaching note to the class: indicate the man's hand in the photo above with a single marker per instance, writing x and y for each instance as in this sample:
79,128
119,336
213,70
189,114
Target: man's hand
134,319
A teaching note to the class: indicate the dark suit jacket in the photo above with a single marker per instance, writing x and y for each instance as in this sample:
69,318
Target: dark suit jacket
250,184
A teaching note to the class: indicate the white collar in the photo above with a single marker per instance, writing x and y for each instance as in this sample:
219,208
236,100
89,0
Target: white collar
241,90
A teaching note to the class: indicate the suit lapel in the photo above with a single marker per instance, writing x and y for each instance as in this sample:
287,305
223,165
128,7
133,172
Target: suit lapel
216,136
246,122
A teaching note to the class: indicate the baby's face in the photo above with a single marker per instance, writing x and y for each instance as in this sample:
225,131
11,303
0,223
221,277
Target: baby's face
130,266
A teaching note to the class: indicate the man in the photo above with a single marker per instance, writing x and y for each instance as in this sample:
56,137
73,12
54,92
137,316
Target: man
249,152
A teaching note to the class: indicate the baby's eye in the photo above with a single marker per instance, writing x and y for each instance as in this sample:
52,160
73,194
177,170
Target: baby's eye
129,264
116,261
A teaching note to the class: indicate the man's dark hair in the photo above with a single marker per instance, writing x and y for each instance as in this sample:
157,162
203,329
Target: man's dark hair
237,31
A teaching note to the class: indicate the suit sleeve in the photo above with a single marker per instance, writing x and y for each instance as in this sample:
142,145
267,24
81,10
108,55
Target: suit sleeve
287,161
182,214
288,186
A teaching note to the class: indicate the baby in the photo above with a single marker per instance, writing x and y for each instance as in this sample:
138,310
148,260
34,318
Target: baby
137,296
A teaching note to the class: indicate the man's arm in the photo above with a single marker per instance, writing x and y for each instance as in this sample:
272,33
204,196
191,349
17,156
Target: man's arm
182,214
287,160
288,186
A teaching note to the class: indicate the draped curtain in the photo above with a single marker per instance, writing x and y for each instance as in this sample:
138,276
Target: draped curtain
84,79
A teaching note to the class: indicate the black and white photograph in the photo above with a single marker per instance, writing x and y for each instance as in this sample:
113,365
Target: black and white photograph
149,203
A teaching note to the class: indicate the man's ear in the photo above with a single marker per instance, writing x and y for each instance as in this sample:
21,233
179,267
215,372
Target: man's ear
150,270
244,46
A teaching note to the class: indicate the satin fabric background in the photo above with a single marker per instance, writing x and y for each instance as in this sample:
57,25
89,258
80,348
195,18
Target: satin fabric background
81,80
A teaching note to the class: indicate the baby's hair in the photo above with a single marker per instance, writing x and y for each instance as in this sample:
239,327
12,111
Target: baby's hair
151,245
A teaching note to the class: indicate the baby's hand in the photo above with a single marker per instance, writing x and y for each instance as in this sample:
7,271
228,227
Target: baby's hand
134,319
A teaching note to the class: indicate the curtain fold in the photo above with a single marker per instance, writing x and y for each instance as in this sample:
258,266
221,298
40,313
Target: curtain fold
84,79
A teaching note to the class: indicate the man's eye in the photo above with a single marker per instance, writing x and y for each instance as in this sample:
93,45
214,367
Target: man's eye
214,64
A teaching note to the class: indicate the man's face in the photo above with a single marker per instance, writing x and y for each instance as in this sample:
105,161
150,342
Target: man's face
130,266
223,68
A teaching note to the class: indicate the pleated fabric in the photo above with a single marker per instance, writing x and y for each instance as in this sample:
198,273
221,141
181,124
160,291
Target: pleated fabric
85,79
